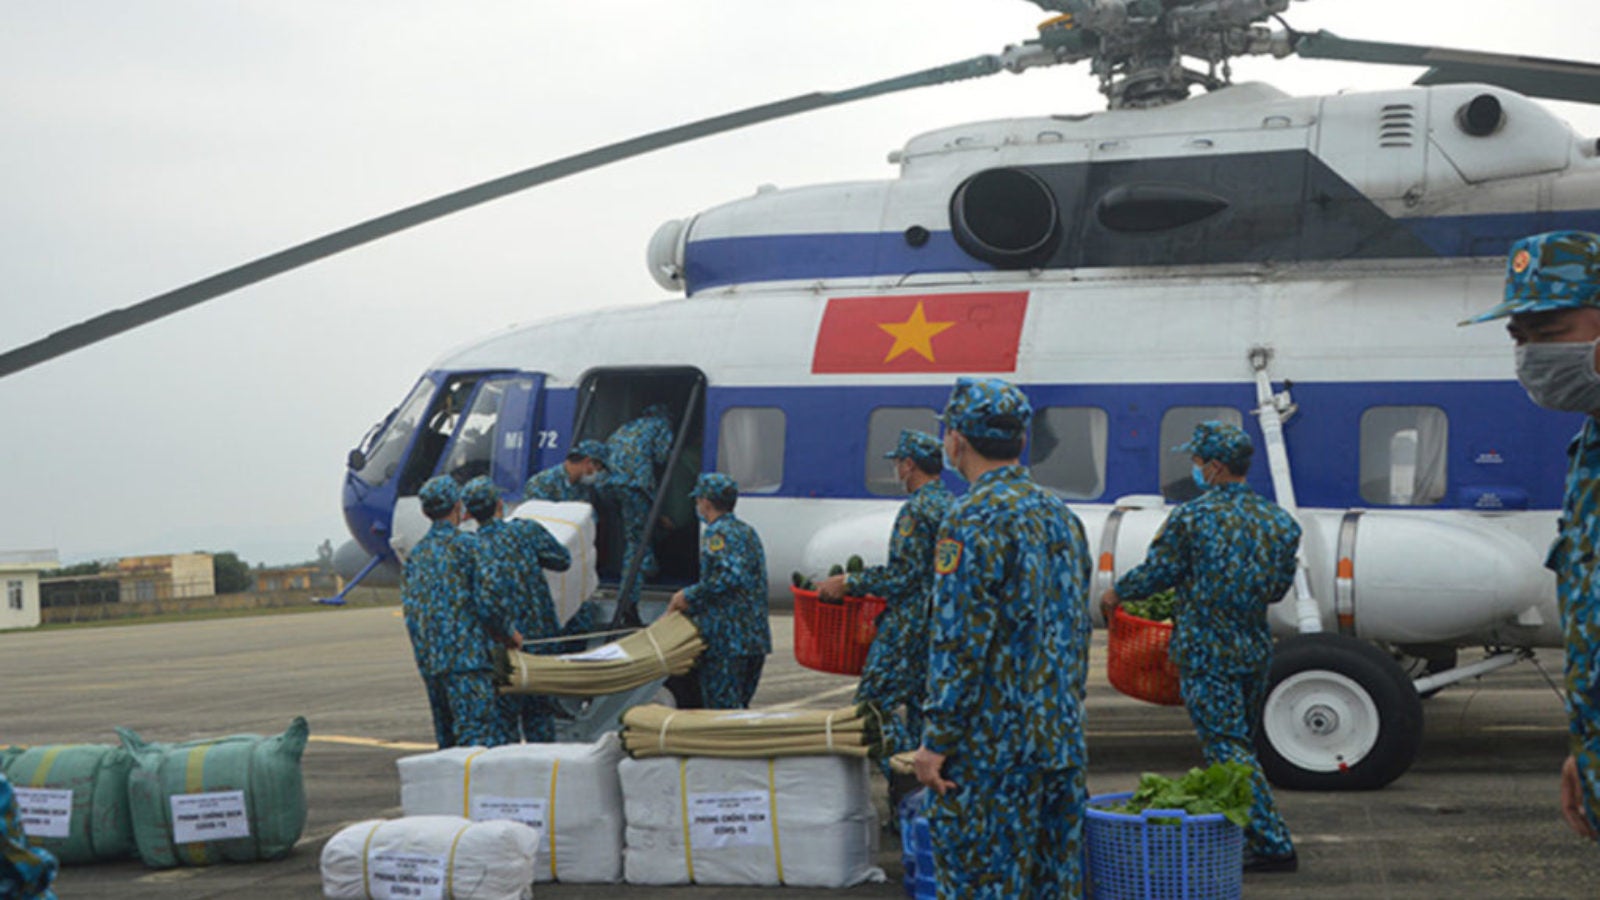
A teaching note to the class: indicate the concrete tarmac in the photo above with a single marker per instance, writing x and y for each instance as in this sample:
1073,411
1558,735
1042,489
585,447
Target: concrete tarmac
1475,817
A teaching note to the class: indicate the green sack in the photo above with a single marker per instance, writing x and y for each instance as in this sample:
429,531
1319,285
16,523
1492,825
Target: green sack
239,798
86,819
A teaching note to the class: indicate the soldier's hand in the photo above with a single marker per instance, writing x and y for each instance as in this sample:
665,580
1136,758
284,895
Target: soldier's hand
929,767
1108,604
678,603
1572,800
832,588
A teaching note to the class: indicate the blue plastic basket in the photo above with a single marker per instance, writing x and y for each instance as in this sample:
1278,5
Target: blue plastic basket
1162,854
916,847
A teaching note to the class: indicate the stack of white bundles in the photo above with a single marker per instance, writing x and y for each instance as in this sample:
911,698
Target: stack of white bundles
805,821
446,857
569,792
573,524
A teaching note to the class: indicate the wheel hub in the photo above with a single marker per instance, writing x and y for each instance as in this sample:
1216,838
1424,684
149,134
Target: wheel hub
1321,721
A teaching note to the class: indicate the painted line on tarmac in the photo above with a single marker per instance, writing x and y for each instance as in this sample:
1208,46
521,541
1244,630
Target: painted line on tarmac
1139,733
813,698
354,741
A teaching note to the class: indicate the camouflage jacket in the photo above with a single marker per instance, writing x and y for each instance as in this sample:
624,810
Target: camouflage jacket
1010,644
552,484
449,622
512,557
638,448
1573,559
26,871
729,602
1228,552
907,577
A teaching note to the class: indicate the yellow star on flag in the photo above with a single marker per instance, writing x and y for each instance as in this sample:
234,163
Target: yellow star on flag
915,333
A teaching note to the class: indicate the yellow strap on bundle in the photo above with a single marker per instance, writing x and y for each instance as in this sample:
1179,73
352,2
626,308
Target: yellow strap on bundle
466,784
550,818
366,859
683,807
450,867
669,646
194,782
772,799
43,772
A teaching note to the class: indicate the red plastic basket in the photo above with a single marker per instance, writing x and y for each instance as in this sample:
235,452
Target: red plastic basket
1137,663
834,636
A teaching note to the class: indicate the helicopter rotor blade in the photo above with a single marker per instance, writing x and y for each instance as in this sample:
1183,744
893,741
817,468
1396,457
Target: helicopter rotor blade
1533,76
107,325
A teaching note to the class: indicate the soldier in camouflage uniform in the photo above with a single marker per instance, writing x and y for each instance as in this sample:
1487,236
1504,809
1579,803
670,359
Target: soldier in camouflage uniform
1003,745
574,479
1228,553
729,602
26,871
512,556
1553,298
637,450
896,671
451,626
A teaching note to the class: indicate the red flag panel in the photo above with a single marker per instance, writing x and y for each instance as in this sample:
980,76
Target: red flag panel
976,332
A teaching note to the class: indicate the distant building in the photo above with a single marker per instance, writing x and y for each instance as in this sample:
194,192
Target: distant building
297,578
145,578
19,573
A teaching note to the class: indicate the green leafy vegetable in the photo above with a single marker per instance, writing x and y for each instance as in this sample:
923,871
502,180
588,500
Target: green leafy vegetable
1219,788
1158,607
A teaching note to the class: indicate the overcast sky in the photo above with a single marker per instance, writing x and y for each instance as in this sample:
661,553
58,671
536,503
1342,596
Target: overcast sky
144,145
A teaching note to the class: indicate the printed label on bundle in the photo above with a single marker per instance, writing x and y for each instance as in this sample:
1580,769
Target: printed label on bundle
212,816
734,819
44,813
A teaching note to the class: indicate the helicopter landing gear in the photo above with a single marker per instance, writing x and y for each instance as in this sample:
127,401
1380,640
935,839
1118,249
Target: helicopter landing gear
1339,715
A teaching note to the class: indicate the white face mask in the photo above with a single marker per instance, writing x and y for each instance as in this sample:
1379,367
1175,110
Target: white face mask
1560,376
590,478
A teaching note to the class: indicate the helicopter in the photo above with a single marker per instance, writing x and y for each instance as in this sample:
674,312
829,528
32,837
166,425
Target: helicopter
1283,263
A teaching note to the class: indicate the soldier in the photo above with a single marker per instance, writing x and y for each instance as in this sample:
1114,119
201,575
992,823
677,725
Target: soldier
896,671
1228,553
26,871
637,450
451,626
1553,298
573,479
1002,740
729,602
512,556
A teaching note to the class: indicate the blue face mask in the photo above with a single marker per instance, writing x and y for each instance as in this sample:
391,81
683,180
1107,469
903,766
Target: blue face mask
1199,476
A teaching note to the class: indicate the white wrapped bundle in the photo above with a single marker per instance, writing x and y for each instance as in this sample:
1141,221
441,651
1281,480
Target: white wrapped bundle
446,857
804,821
573,524
568,791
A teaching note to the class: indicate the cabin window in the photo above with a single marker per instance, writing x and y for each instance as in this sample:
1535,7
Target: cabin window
750,447
883,435
14,594
1177,426
1067,451
1403,452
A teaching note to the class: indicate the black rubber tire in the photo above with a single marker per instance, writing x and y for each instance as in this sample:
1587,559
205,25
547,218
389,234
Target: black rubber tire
1399,713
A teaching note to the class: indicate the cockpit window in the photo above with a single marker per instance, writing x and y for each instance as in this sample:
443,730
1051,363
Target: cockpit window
445,415
383,457
473,452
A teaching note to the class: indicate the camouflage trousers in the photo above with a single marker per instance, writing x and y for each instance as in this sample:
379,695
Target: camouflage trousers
894,679
728,682
1224,708
530,715
1008,834
466,711
634,504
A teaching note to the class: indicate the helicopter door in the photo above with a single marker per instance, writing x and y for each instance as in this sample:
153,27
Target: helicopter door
610,398
520,408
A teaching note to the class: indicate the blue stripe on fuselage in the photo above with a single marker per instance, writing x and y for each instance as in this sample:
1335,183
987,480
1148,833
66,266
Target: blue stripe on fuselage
1498,442
717,262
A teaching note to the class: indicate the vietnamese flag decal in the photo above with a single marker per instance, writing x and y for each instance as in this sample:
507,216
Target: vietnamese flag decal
921,333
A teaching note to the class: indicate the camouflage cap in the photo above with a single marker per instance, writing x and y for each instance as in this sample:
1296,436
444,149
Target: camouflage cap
479,496
439,496
1555,270
589,448
1225,443
917,446
657,411
987,408
716,487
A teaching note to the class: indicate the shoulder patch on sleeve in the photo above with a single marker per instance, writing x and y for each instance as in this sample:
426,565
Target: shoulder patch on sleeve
908,525
946,556
715,544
